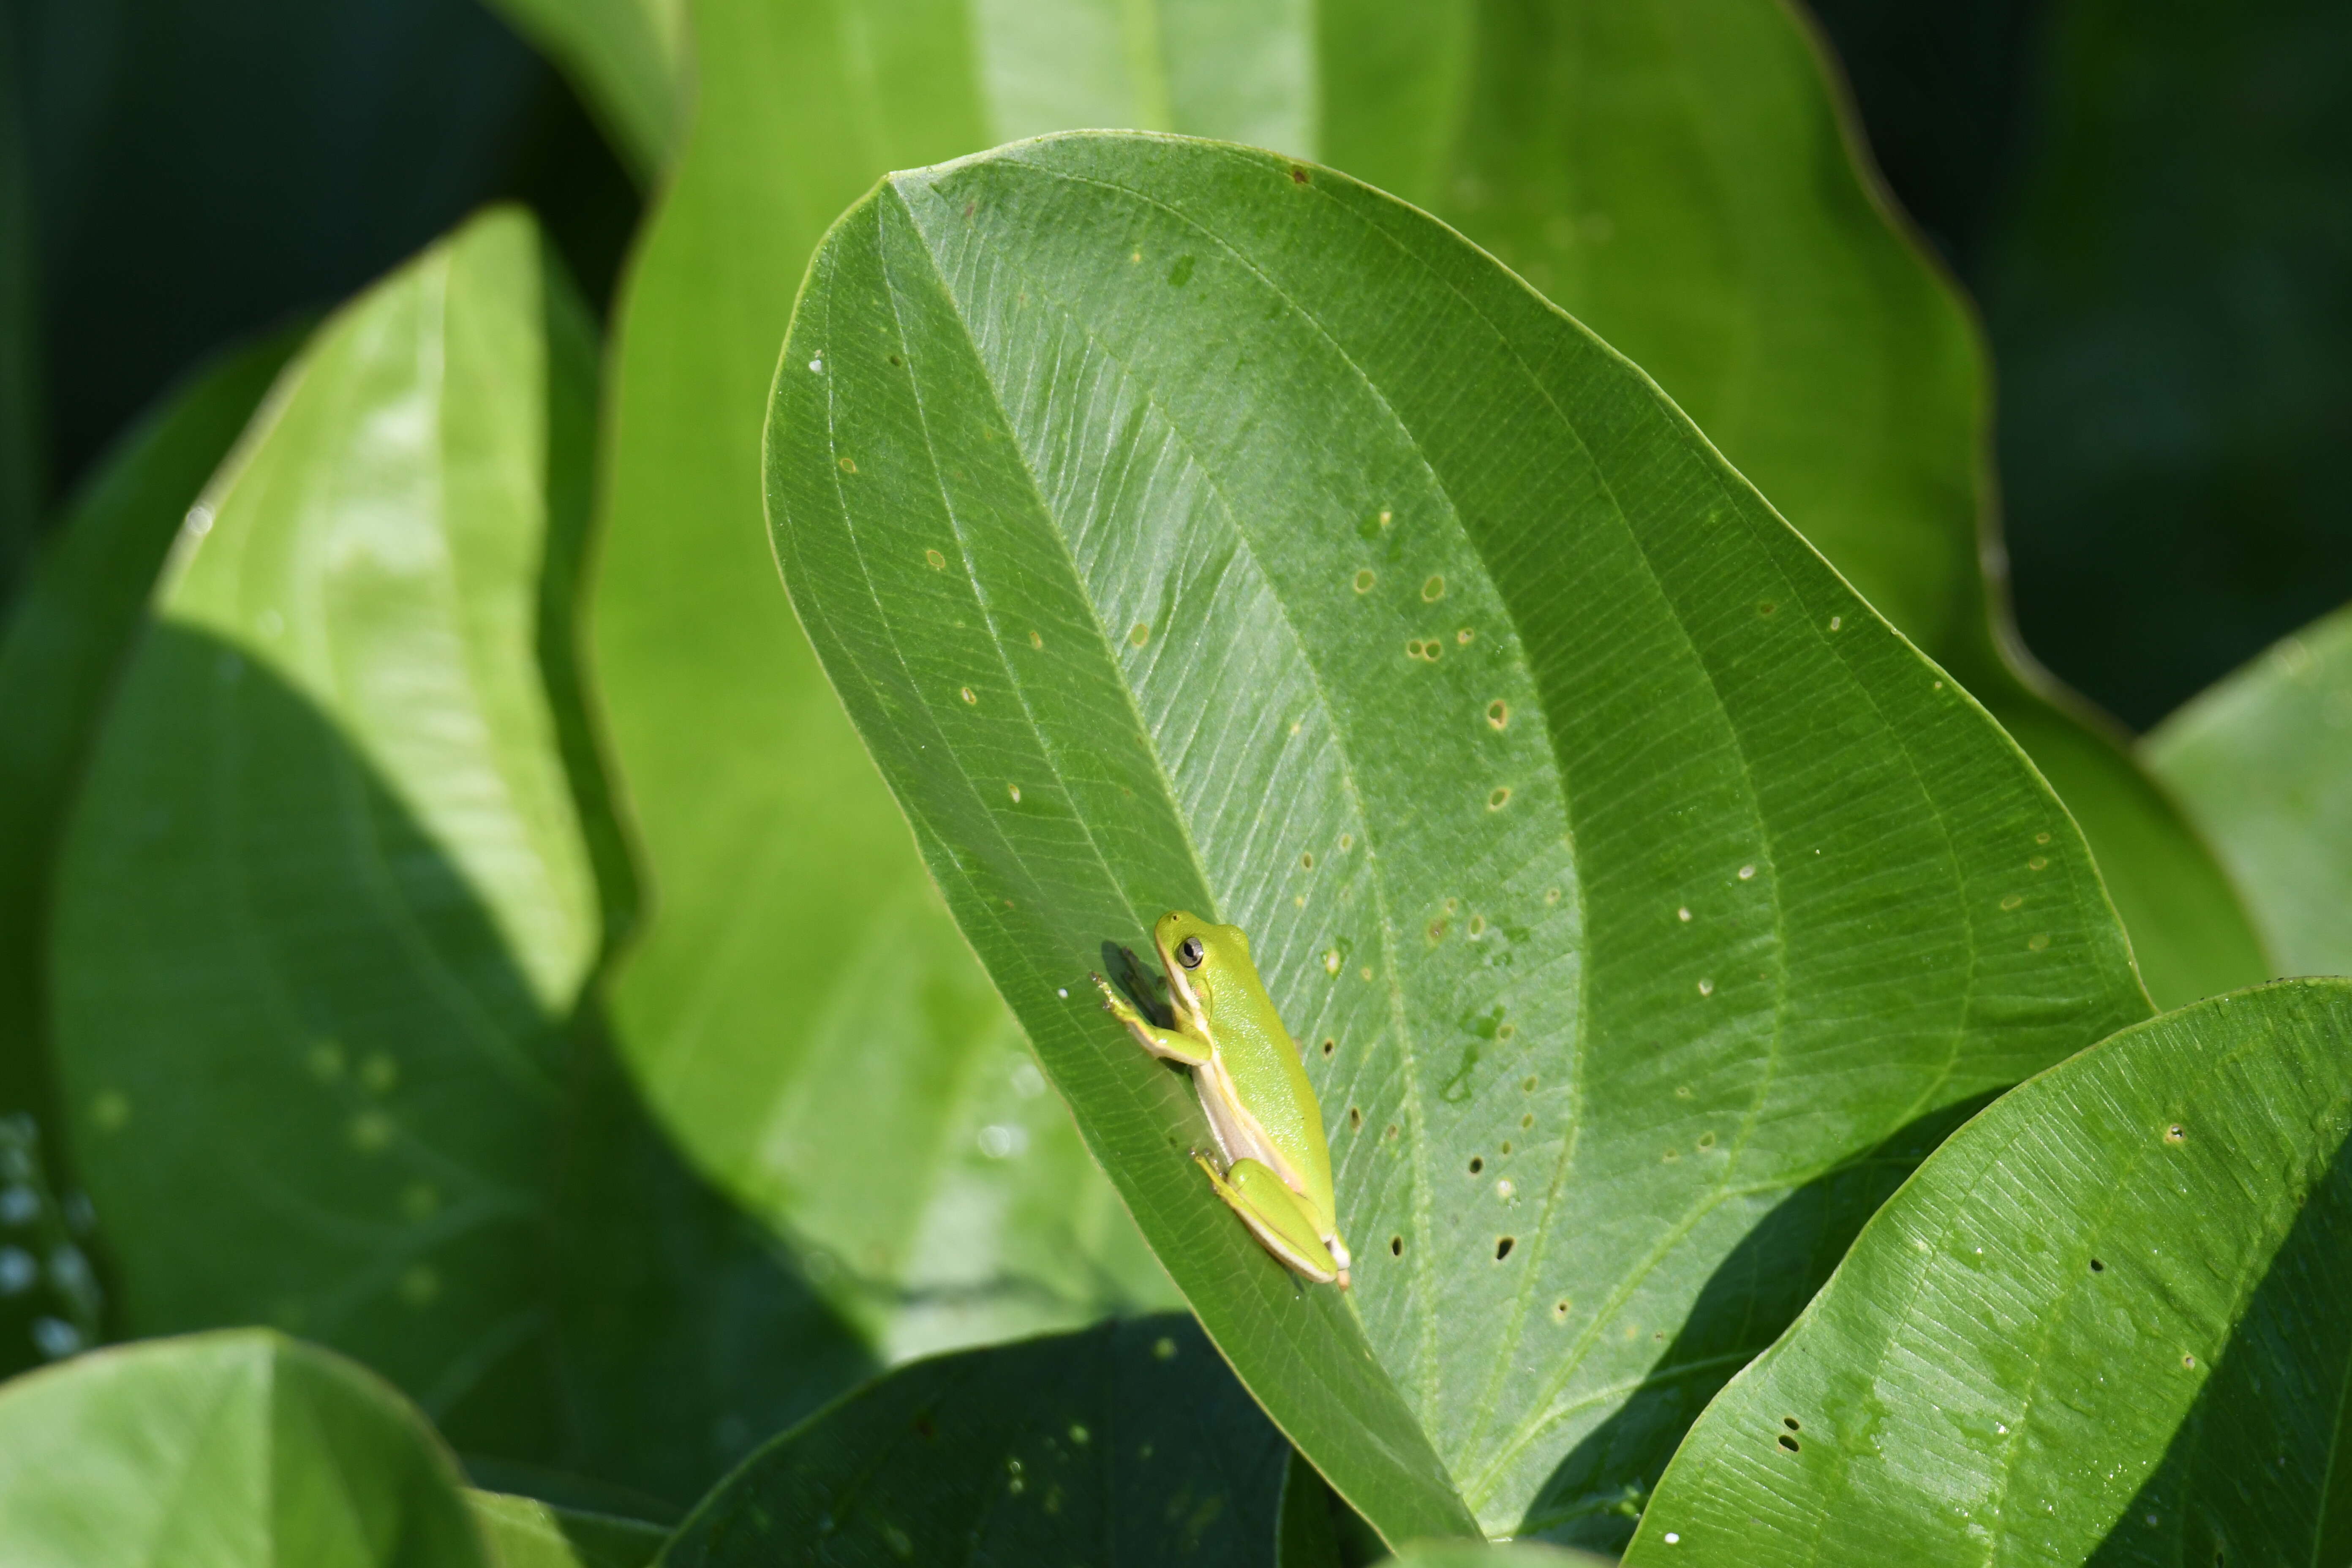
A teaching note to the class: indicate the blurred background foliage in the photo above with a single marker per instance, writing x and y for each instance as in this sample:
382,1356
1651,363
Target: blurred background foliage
2152,205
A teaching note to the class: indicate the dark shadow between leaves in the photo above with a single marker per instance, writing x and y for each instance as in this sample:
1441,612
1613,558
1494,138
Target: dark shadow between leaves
268,920
2256,1473
1128,1442
1595,1496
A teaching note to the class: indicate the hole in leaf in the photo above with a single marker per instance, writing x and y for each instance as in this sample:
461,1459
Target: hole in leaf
1503,1247
1396,1247
2097,1266
1791,1423
1477,1164
1787,1442
1355,1118
1330,1045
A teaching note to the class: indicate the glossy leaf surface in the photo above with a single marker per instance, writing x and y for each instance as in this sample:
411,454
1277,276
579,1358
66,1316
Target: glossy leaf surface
1126,1443
2104,1323
331,896
1188,528
1680,176
2262,761
523,1533
229,1450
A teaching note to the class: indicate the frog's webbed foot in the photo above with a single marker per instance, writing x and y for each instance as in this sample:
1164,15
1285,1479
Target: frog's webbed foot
1168,1044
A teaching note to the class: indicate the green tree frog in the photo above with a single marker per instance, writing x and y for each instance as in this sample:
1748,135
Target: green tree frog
1276,1166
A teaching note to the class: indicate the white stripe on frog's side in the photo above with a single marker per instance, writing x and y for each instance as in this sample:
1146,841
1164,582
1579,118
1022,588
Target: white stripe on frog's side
1237,1137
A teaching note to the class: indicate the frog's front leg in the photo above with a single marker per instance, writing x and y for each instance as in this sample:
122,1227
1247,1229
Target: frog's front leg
1172,1044
1273,1212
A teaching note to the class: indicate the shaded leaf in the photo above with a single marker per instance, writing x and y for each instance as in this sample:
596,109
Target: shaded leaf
523,1533
1318,1531
330,901
1683,177
1129,1443
2104,1323
2260,761
1184,527
226,1451
65,639
628,58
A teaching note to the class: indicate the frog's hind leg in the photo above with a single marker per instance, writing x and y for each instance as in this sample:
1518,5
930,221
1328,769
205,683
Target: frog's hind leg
1268,1207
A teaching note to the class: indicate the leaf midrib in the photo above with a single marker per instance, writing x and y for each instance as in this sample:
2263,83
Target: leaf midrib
1390,985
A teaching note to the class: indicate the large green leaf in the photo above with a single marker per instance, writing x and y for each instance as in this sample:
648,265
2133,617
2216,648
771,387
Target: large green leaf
1704,209
1126,1443
331,894
60,655
523,1533
1682,177
2261,761
800,1000
628,58
1184,527
229,1450
2104,1323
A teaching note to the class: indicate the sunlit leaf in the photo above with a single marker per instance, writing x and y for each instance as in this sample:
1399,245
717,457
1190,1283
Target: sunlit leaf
1184,527
229,1450
523,1533
2104,1323
2263,763
1470,1554
1681,176
800,1002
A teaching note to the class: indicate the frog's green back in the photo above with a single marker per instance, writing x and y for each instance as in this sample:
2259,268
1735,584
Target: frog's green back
1263,1061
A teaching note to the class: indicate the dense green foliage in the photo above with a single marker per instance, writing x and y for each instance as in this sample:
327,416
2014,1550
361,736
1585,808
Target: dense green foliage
1490,500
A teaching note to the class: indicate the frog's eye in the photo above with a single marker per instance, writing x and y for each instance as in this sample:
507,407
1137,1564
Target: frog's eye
1189,953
